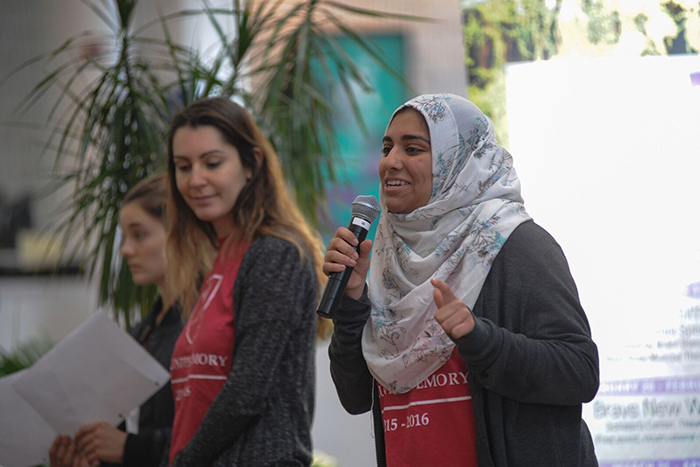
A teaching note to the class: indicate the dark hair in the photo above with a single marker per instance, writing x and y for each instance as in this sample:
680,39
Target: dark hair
152,196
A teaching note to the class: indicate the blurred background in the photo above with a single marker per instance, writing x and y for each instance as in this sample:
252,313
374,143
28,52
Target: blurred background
597,100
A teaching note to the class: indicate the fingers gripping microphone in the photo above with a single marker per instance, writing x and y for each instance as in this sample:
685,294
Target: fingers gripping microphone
364,210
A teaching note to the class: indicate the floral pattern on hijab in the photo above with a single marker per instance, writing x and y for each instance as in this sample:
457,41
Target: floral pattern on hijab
474,206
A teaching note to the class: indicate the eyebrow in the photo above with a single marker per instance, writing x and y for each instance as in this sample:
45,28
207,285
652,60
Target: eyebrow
213,151
407,138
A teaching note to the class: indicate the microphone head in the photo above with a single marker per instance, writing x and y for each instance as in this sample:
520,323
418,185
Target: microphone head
366,207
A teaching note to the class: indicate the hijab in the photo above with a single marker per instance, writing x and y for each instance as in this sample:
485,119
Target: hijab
475,204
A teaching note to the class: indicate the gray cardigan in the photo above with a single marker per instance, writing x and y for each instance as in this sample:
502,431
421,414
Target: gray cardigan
531,360
263,414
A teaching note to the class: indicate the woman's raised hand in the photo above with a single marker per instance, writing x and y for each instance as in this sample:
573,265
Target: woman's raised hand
452,314
341,254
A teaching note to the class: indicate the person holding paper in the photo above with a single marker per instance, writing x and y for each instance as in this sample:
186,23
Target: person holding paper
243,367
468,342
143,223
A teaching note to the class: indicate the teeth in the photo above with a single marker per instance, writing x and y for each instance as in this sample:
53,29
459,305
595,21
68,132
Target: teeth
396,183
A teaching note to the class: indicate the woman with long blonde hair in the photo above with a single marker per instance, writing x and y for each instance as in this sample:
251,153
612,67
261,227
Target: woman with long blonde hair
243,367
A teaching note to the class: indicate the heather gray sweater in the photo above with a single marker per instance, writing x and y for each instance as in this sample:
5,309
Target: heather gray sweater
531,360
263,414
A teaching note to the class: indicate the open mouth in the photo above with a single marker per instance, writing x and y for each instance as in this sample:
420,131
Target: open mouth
395,185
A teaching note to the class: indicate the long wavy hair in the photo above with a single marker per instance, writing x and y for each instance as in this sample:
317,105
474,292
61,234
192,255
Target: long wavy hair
263,207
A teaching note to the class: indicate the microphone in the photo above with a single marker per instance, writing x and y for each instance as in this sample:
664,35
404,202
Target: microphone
364,210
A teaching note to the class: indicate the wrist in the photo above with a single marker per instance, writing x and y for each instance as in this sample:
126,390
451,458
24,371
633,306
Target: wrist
356,292
121,437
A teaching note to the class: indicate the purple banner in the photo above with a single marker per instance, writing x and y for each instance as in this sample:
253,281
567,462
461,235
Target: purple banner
672,385
694,462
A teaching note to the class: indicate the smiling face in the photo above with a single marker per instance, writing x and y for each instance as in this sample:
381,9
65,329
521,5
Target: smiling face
208,174
142,248
405,169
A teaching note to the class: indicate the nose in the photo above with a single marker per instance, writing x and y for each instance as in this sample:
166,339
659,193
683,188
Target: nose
126,250
197,176
393,160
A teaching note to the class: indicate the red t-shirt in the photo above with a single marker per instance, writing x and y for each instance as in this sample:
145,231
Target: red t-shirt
432,424
201,360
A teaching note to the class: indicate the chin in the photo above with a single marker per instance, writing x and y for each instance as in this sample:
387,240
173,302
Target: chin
390,206
396,209
206,216
140,281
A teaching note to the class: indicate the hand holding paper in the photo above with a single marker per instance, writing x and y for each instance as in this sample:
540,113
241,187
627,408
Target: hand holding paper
98,372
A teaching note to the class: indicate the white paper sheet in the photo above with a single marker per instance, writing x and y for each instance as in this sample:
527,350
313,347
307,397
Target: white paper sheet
22,429
96,373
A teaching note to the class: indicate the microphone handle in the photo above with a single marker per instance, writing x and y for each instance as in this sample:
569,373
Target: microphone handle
337,281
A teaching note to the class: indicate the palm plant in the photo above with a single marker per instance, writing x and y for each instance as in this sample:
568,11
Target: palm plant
109,134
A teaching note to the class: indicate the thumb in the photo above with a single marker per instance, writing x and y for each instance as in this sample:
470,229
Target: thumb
437,296
444,291
365,248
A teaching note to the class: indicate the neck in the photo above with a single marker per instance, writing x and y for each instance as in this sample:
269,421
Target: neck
223,226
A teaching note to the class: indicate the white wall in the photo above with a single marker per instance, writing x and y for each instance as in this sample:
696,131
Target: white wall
42,307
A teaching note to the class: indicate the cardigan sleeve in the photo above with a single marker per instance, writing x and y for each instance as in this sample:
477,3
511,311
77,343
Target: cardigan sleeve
352,379
551,359
274,285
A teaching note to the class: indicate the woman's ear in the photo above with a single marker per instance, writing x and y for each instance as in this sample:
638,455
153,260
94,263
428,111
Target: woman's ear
258,161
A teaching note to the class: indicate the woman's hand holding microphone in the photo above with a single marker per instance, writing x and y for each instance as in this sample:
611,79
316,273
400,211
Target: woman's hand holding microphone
341,253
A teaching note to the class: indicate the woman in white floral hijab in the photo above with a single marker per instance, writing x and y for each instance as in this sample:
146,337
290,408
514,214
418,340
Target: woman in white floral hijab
469,344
